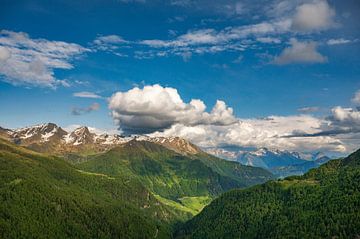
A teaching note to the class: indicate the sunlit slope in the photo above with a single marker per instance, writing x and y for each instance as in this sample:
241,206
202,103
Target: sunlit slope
45,197
172,176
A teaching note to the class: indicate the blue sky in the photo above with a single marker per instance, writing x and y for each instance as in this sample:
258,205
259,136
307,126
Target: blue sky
261,58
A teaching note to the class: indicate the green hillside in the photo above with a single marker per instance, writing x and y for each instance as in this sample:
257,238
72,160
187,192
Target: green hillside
45,197
173,177
137,190
324,203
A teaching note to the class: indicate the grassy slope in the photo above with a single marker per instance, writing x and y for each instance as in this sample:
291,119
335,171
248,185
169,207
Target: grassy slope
173,177
324,203
45,197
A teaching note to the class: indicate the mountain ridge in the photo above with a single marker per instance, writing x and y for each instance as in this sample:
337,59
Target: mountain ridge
49,137
323,203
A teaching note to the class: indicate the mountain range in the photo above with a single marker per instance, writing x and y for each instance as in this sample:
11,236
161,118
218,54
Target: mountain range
80,184
49,137
280,162
82,141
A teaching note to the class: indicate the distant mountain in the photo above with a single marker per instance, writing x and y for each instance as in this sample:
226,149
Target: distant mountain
323,203
280,162
53,139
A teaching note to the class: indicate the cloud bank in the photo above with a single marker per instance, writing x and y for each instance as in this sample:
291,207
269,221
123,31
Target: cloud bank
31,62
160,111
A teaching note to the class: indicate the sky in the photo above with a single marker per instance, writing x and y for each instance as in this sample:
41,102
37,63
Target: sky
274,73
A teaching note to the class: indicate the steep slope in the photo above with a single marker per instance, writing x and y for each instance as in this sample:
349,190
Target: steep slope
175,177
45,197
324,203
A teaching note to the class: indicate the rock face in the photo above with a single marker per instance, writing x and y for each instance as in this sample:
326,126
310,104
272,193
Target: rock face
51,138
39,133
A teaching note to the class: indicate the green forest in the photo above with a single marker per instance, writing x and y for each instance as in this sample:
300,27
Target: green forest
141,190
323,203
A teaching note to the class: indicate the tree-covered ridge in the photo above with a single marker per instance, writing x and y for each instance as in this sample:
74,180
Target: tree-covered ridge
138,190
172,176
45,197
324,203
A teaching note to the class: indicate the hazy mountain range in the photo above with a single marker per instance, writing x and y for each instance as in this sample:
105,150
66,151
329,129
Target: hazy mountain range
279,162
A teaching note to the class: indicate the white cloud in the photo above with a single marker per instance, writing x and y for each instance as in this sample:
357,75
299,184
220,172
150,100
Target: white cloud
313,16
300,52
213,37
338,41
26,61
209,40
156,108
356,98
86,94
345,117
4,54
270,132
160,111
109,42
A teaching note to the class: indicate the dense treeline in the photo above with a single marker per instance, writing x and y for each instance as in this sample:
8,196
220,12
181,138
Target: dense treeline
171,175
324,203
45,197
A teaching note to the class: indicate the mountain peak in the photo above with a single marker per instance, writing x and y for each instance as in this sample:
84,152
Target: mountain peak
51,133
174,143
80,136
38,133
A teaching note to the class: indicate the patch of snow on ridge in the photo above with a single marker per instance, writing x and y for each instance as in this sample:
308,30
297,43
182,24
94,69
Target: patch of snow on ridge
45,137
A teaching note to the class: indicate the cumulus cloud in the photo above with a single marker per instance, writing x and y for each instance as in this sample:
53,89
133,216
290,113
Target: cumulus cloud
343,124
269,132
346,117
27,61
157,108
313,16
300,52
81,111
86,94
160,111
